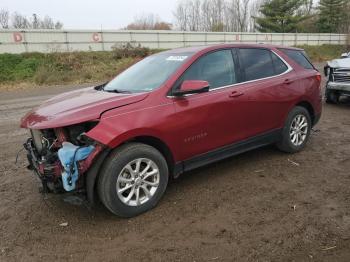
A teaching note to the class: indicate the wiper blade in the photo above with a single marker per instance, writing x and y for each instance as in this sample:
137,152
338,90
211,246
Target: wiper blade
118,91
102,88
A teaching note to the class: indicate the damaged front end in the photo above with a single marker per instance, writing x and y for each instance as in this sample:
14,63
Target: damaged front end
61,156
338,84
59,150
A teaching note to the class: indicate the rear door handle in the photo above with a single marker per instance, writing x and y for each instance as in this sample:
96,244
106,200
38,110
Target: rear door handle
288,81
234,94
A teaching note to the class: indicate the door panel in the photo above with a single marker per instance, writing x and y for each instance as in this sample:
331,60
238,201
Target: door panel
205,120
270,89
266,102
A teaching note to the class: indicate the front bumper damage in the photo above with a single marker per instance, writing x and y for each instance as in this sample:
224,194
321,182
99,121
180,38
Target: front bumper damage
338,72
57,177
342,87
48,173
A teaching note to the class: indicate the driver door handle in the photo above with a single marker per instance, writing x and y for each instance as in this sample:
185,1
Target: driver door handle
234,94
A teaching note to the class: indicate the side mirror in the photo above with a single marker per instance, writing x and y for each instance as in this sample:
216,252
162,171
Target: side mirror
192,87
344,55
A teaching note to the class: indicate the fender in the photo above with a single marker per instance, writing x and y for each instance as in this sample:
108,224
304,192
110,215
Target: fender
117,127
112,138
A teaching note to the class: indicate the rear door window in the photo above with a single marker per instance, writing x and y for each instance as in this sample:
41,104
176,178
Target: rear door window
257,63
298,57
217,68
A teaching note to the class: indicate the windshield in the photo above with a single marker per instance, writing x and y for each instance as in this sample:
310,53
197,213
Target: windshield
148,74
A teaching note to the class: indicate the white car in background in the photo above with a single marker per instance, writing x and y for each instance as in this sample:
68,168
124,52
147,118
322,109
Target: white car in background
345,55
338,73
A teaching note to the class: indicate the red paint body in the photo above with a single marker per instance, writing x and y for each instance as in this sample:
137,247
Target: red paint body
191,125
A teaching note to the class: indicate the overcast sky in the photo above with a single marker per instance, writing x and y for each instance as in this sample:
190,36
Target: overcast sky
87,14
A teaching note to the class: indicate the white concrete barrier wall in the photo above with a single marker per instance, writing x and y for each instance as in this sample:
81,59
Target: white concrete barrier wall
16,41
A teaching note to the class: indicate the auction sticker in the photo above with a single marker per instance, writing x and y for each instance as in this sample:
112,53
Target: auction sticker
176,58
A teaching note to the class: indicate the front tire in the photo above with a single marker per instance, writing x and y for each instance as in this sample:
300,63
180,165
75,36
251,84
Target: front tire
133,179
296,131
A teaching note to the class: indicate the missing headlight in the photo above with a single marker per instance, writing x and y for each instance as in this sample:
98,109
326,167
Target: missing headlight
76,133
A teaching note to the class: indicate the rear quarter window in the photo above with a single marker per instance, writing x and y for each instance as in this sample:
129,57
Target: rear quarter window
257,63
299,57
260,63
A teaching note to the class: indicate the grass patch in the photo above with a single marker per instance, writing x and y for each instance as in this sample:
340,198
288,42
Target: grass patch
67,68
324,52
61,68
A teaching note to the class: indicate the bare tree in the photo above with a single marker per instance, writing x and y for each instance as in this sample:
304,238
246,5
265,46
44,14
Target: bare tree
254,11
216,15
47,23
207,15
188,15
35,22
143,22
307,7
240,14
4,18
181,16
237,15
243,12
194,18
148,22
58,25
19,21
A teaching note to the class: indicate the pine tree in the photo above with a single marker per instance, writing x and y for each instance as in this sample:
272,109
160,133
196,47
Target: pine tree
332,15
280,16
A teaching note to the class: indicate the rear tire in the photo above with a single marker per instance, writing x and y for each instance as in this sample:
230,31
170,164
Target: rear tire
296,131
133,179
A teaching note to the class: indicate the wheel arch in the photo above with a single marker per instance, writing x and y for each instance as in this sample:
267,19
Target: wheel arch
158,144
93,173
308,106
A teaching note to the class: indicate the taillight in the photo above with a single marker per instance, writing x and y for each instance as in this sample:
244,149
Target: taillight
318,77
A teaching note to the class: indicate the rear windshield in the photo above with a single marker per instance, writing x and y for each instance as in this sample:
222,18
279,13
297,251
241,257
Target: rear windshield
299,57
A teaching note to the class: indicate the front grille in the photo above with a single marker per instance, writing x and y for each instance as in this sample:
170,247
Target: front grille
341,78
341,75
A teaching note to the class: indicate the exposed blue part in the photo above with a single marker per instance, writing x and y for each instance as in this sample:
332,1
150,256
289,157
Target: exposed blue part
69,155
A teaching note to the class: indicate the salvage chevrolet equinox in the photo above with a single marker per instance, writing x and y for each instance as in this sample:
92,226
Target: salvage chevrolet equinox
169,113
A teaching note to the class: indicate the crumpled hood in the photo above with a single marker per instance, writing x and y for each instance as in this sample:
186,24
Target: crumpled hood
76,107
339,63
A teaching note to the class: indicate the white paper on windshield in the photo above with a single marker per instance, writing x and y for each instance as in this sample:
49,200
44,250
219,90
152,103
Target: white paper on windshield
176,58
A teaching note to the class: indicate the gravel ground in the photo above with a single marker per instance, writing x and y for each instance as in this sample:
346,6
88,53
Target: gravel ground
260,206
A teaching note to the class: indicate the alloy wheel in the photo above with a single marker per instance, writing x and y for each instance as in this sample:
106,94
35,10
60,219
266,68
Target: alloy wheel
299,130
138,181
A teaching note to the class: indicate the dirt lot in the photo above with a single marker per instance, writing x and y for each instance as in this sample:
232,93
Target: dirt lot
260,206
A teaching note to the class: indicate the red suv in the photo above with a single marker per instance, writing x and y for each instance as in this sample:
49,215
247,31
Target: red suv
169,113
